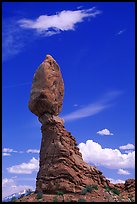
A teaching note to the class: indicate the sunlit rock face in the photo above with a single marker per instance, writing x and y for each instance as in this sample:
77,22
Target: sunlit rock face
47,89
61,165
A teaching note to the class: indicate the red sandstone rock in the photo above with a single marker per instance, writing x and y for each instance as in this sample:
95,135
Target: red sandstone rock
61,165
47,89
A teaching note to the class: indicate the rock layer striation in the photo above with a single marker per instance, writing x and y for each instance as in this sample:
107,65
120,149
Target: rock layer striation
61,164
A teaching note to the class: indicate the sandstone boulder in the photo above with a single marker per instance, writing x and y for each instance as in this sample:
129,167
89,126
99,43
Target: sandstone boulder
47,89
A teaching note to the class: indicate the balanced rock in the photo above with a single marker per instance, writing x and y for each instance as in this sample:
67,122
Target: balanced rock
47,89
61,165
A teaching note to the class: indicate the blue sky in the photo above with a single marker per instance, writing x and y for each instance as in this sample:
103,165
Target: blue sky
93,43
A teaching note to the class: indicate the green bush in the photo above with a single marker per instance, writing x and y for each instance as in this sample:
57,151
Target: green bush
116,191
55,199
94,187
107,188
84,191
82,200
39,195
89,188
60,193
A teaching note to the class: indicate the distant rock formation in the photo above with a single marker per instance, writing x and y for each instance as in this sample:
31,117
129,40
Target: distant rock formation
61,165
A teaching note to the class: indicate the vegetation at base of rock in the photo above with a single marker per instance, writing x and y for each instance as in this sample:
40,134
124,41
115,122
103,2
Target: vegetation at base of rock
107,188
89,188
39,195
115,191
94,187
55,199
82,200
61,193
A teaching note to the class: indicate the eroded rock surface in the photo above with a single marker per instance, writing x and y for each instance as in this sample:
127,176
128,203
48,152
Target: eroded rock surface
47,89
61,164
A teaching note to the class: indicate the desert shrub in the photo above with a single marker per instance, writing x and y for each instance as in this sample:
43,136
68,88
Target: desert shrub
39,195
89,188
116,191
82,200
55,199
84,191
94,187
107,188
60,193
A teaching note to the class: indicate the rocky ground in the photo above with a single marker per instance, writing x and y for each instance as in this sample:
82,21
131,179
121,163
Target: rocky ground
119,193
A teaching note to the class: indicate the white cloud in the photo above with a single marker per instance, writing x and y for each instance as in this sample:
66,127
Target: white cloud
121,32
14,39
6,154
114,181
87,111
12,42
9,187
75,105
21,152
111,158
25,168
93,108
128,151
104,132
8,150
122,171
61,21
33,151
128,146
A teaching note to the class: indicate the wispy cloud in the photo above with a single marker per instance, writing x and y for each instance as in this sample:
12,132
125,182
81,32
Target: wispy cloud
6,154
8,150
128,151
127,147
25,168
61,21
93,108
33,151
14,39
121,32
75,105
12,42
104,132
15,35
122,171
111,158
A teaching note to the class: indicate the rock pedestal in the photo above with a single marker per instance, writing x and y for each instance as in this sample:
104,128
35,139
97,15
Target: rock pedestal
61,165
